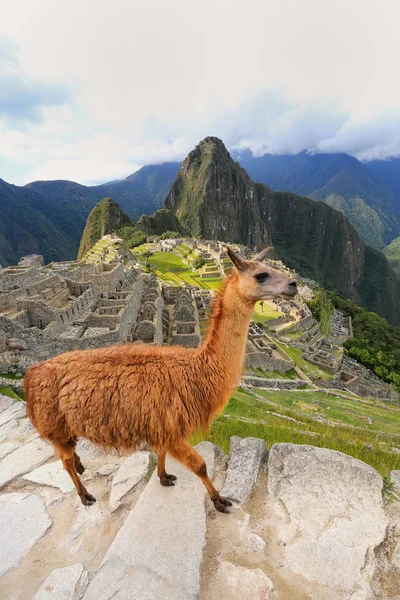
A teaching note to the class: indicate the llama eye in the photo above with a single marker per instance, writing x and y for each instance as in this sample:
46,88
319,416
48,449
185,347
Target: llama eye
261,277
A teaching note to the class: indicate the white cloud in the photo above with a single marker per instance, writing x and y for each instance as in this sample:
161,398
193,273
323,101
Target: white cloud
150,79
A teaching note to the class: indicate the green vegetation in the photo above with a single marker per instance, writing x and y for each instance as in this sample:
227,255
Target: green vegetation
169,235
392,253
105,218
161,222
367,430
375,343
322,308
171,268
7,391
264,312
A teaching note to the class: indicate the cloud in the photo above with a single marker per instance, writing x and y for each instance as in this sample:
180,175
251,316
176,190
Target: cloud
154,78
22,98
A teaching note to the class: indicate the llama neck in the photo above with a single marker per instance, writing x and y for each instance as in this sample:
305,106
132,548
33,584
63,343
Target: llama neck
227,338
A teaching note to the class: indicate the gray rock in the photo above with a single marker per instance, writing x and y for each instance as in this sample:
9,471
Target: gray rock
245,459
67,583
23,520
6,402
395,478
241,583
328,517
6,428
52,474
7,447
132,470
15,411
23,459
157,553
107,469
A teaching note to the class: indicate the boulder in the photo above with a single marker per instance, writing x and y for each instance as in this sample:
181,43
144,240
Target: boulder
328,518
52,474
23,459
66,583
241,583
23,521
158,551
245,459
132,470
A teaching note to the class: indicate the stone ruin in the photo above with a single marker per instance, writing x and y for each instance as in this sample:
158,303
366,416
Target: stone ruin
185,324
323,353
153,320
64,306
263,352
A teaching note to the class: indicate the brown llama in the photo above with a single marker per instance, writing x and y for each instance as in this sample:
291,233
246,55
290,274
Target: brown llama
121,396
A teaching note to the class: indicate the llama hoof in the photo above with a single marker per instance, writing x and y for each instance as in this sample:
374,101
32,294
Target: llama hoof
170,477
167,480
80,469
225,501
87,499
221,504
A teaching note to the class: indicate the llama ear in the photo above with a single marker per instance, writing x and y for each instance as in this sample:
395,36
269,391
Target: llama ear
261,255
239,262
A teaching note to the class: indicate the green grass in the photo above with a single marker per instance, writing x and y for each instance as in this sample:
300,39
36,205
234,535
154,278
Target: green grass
247,416
267,314
7,391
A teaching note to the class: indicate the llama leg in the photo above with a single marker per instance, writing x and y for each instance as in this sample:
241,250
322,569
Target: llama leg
67,454
193,461
78,465
165,479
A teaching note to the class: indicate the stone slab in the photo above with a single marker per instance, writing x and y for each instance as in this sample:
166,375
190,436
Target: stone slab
328,518
23,521
7,447
245,459
241,583
15,411
23,459
157,553
52,474
7,428
66,583
6,402
130,472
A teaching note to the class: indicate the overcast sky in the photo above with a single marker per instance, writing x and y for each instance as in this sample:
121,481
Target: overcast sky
91,89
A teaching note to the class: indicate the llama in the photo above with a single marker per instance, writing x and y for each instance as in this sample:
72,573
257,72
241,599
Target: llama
121,396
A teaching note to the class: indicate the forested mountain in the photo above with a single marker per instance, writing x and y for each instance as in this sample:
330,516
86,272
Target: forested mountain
215,198
392,253
48,217
367,193
105,218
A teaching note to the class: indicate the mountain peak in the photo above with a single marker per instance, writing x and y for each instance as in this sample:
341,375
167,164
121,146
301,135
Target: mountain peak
105,218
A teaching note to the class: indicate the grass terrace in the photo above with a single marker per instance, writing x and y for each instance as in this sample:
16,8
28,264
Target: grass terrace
365,429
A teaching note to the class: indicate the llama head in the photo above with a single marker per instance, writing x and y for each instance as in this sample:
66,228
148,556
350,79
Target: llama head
258,282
